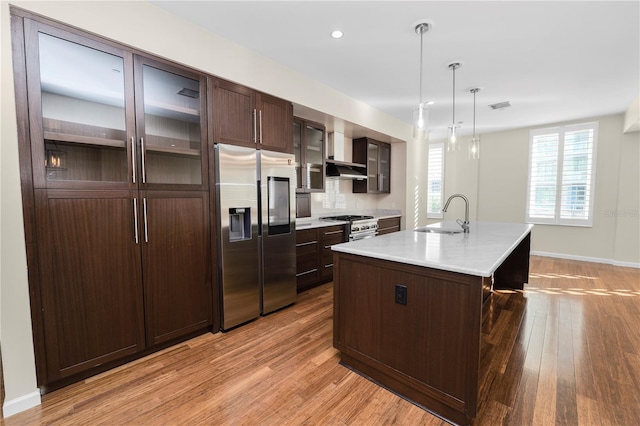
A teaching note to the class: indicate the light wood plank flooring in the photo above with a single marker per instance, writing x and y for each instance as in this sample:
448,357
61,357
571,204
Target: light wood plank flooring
565,351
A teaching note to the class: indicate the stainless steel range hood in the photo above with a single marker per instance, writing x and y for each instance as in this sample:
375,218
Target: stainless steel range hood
336,167
341,170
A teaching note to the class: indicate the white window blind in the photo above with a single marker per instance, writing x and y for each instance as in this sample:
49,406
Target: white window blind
435,179
562,175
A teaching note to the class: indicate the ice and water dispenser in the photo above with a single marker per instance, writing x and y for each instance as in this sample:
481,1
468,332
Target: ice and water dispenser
239,223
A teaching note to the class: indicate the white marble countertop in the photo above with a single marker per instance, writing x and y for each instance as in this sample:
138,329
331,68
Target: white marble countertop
316,222
479,253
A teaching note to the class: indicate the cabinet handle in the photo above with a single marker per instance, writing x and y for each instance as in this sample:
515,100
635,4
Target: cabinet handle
135,220
144,212
327,247
306,244
329,265
255,130
144,160
133,159
333,232
311,271
260,115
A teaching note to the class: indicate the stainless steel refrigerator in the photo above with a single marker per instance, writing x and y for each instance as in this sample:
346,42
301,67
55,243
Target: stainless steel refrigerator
255,194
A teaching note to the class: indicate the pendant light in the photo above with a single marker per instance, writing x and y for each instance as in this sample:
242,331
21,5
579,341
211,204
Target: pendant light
452,142
474,143
421,112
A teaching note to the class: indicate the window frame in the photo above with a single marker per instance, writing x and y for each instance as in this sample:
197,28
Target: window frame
435,214
561,132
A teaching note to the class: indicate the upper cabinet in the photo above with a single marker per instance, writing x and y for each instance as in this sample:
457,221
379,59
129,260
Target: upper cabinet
376,156
81,116
171,126
86,133
243,116
308,147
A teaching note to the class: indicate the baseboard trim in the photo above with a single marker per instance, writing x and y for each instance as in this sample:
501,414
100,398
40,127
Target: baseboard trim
22,403
587,259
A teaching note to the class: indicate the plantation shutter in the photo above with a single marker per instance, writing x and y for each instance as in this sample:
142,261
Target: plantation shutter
562,175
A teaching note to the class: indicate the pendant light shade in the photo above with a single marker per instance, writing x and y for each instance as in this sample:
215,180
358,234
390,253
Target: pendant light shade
421,112
452,141
421,122
474,143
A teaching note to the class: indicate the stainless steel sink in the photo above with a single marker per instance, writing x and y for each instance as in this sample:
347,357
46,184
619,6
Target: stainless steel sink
439,230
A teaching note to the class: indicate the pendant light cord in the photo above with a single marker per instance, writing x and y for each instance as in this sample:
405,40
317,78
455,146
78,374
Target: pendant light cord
474,113
454,66
422,30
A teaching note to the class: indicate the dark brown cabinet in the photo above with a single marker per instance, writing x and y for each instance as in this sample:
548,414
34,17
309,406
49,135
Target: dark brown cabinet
388,225
307,251
376,156
314,256
250,118
308,148
177,281
120,173
329,236
91,270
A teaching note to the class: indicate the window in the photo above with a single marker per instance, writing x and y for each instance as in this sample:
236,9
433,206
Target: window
562,175
435,179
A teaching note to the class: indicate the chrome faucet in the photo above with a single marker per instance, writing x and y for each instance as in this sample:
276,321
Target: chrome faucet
465,224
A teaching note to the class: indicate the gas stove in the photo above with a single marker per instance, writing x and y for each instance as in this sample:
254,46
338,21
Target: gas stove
359,227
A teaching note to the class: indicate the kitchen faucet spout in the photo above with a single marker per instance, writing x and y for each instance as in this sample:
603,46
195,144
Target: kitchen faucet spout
465,224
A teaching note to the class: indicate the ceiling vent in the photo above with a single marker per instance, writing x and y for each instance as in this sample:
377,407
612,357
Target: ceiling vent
501,105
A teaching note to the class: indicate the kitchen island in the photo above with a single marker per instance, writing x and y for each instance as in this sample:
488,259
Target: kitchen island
408,308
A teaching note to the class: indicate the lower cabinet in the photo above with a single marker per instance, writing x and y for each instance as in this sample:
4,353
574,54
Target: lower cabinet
329,236
119,274
176,265
314,257
307,251
388,225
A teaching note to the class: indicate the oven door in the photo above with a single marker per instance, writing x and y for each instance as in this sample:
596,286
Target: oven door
363,235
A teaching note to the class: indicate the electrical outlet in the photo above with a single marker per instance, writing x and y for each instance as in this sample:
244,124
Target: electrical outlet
401,294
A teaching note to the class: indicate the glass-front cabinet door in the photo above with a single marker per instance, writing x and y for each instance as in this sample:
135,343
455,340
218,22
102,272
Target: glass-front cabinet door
373,173
170,124
384,183
314,153
77,88
308,148
297,152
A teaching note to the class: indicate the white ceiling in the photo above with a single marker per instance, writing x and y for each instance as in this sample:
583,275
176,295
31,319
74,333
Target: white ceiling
554,61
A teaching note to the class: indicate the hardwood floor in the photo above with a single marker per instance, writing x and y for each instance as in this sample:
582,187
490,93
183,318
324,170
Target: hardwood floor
564,351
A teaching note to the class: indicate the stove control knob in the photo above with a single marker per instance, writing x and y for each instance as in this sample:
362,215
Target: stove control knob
355,228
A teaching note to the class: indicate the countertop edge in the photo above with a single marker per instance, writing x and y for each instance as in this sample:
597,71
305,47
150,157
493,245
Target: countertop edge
481,272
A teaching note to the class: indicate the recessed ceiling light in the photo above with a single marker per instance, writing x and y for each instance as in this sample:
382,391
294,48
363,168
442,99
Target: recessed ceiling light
336,34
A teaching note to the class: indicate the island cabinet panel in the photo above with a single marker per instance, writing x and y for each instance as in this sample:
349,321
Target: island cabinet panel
425,347
388,225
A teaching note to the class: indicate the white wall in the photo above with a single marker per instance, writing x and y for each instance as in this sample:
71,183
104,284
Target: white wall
143,26
615,234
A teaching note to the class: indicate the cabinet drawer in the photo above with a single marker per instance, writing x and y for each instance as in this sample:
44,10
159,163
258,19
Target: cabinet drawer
332,231
388,225
307,242
326,267
306,270
327,242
